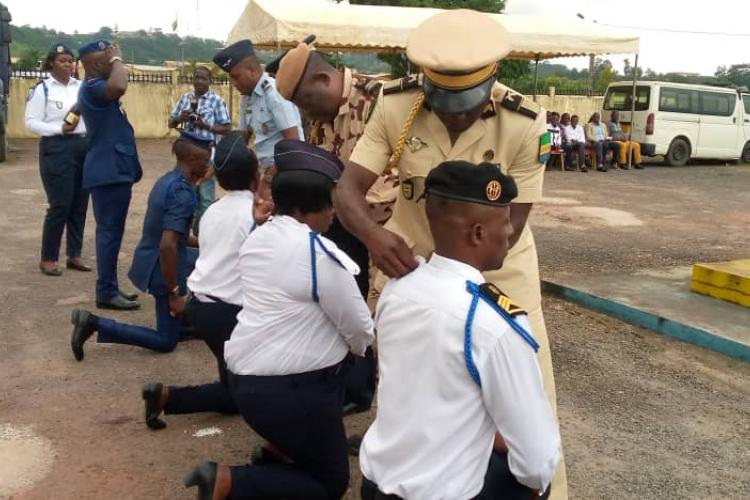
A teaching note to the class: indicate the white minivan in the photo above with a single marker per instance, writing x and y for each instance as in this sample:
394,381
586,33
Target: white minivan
682,121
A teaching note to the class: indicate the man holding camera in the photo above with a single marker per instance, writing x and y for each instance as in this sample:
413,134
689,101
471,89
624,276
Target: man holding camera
202,114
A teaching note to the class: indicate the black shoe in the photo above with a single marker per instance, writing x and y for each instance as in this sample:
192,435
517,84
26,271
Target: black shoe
584,169
638,166
625,167
204,477
127,296
118,303
151,394
354,442
55,271
77,267
602,168
84,326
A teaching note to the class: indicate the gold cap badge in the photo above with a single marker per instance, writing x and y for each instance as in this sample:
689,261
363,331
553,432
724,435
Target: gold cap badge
493,190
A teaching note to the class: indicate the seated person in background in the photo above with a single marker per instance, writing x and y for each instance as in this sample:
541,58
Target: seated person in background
617,135
596,137
575,141
564,121
458,368
555,131
162,260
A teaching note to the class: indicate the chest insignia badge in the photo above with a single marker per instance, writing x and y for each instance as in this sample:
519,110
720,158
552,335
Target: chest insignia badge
58,104
264,128
415,144
488,155
407,189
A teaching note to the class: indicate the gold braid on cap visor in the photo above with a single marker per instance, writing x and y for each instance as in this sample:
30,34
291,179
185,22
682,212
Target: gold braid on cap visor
460,82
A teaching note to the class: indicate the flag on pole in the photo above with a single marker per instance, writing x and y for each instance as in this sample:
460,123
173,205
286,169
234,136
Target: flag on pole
174,24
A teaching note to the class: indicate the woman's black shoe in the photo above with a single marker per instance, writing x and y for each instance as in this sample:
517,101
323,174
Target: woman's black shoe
151,394
204,477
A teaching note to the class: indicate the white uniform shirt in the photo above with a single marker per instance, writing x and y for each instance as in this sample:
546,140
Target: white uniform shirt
281,330
556,133
433,433
574,134
45,114
223,229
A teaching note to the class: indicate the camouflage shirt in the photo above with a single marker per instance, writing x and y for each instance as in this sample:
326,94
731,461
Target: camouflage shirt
340,137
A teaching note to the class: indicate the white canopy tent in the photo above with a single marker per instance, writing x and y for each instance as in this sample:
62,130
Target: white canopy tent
342,27
281,24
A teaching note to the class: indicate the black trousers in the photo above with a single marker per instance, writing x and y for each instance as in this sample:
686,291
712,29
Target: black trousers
61,168
301,415
360,386
213,323
499,484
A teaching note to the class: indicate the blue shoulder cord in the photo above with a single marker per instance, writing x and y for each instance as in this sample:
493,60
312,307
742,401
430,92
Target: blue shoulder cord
476,294
315,238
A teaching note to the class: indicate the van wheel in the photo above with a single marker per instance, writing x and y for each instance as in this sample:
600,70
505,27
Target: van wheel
679,153
745,158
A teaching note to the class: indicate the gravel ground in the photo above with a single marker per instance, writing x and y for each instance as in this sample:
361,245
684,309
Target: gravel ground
642,416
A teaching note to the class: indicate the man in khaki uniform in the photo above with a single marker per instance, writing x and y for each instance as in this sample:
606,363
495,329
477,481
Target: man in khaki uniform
455,110
339,103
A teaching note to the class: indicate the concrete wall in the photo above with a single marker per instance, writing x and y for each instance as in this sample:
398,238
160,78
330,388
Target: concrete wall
573,104
148,106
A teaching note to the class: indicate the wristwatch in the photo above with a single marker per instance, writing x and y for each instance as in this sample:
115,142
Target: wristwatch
114,58
175,291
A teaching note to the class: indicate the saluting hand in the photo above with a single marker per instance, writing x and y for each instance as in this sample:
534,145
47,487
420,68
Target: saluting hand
113,51
390,253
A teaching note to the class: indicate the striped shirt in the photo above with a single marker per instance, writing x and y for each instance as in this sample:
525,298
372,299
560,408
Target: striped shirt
211,108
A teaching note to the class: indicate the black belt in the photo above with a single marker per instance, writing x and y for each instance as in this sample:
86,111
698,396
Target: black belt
60,137
323,375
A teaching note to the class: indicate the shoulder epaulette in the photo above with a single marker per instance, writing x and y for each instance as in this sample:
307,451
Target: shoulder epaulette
266,85
401,85
506,304
520,104
372,89
32,89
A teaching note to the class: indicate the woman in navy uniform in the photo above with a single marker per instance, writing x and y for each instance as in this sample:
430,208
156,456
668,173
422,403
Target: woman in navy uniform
52,114
162,260
215,284
302,314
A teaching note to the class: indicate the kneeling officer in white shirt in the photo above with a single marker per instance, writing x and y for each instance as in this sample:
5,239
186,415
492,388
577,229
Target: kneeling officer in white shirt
302,314
458,365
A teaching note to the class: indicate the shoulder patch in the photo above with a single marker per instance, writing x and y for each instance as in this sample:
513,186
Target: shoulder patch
373,103
401,85
266,85
32,90
520,104
492,292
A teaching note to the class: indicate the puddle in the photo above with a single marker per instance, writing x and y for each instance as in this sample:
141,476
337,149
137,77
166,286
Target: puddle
25,457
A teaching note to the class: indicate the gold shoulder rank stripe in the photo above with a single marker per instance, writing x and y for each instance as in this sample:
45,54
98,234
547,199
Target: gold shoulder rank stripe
401,85
502,300
518,103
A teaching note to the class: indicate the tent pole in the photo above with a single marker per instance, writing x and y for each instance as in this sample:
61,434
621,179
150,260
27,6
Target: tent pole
632,113
536,75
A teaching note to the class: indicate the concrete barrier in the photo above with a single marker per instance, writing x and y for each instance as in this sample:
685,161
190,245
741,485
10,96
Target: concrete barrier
148,106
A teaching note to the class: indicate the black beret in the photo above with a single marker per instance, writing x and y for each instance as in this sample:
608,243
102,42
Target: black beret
463,181
290,154
232,153
228,57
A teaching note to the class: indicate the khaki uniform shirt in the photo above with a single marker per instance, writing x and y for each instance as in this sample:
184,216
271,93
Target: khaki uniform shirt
340,137
505,136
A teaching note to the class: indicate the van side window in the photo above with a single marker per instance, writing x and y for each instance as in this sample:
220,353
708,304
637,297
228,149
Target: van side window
717,104
746,101
678,100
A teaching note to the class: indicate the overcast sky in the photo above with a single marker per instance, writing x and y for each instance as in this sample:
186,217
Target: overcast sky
662,51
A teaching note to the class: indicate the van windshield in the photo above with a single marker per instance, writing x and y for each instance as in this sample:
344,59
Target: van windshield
619,98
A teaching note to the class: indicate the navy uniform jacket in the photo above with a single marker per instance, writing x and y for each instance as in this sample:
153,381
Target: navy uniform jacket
112,157
171,205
